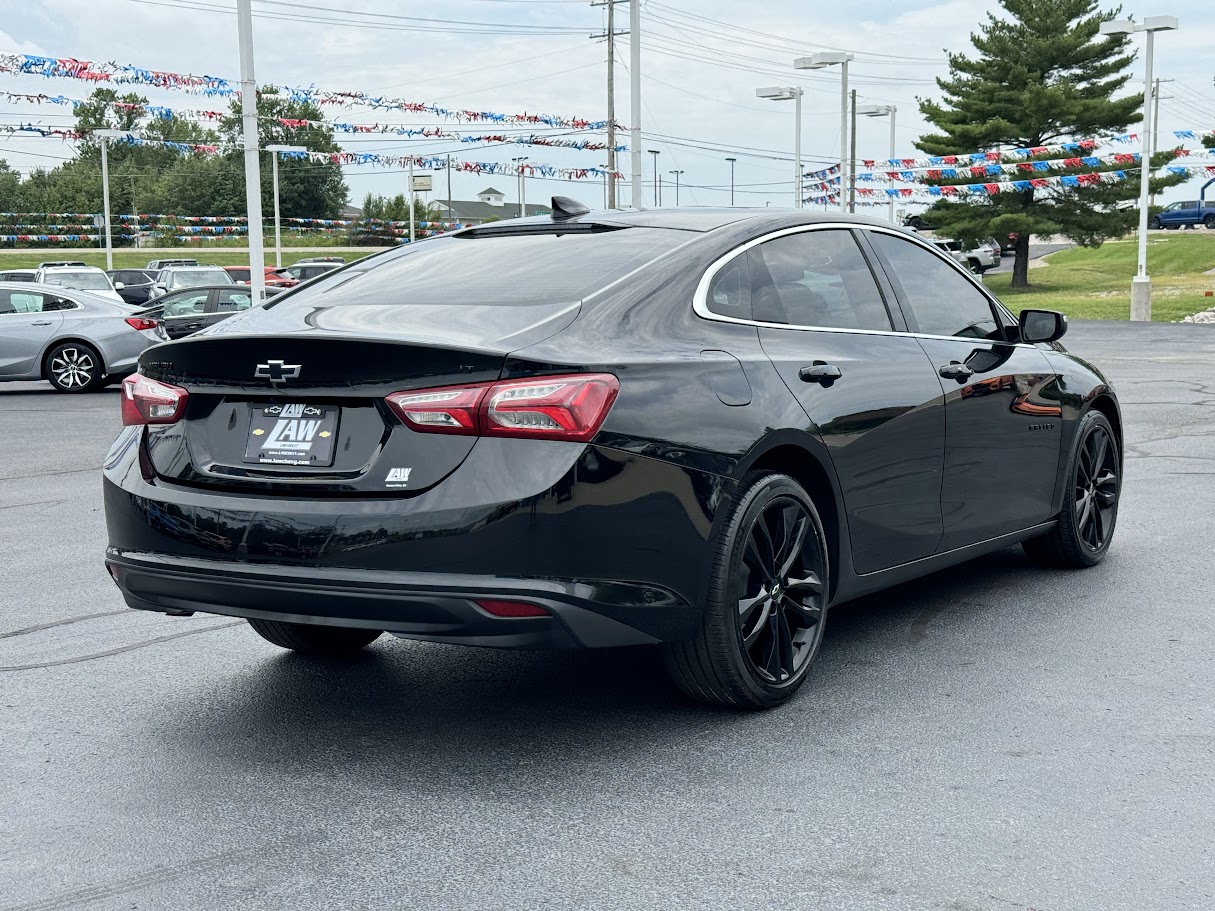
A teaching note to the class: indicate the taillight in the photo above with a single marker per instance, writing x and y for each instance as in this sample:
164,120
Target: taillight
510,608
141,323
453,409
547,407
146,401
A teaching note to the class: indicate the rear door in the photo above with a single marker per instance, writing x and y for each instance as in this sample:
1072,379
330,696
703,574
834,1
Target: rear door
28,322
1002,408
870,392
227,301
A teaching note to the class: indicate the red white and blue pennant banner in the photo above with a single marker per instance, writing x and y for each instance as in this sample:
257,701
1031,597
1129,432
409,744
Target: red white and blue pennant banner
215,86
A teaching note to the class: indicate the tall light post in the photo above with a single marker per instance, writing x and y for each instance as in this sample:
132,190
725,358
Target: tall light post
818,62
793,93
657,185
731,160
275,151
676,173
105,136
518,163
253,165
1141,284
881,110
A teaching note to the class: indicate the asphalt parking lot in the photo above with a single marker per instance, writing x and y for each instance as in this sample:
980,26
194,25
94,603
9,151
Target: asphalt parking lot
996,736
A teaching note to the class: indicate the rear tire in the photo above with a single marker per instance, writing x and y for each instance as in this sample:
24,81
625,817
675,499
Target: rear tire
1155,224
310,639
1208,222
766,602
1085,527
74,367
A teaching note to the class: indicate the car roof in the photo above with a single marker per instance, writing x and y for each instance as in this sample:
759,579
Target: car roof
687,218
73,269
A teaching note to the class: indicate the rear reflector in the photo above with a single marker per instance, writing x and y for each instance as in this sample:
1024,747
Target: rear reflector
146,401
141,323
511,608
569,408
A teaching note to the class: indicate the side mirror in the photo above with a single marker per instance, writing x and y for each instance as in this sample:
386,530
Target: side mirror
1041,325
118,286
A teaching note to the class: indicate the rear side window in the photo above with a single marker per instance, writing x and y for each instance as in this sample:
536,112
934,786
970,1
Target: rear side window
523,270
816,279
942,300
730,290
32,302
231,301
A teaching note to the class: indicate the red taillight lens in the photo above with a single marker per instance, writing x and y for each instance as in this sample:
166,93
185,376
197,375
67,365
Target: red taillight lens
141,323
146,401
550,407
569,408
511,608
452,409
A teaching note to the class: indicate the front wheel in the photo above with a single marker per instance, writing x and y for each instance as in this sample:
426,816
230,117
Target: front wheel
310,639
1155,224
766,601
74,367
1208,222
1086,525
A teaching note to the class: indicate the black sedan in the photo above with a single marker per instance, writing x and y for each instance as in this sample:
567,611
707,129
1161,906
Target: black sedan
697,428
182,313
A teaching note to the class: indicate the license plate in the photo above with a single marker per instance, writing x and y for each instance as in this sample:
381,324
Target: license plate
292,434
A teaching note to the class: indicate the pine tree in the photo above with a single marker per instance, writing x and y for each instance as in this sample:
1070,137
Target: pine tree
1042,74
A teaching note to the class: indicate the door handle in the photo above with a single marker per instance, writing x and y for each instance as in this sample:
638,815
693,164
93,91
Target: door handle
820,372
956,370
41,322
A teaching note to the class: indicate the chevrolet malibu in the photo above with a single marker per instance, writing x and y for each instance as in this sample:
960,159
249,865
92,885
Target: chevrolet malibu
694,428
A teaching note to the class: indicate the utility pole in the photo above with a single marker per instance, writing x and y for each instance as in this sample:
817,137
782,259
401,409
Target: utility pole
731,160
635,97
411,218
610,34
134,209
1156,123
852,159
253,170
450,215
518,163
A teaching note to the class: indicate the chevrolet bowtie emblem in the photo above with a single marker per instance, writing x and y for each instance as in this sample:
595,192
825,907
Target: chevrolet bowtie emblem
276,371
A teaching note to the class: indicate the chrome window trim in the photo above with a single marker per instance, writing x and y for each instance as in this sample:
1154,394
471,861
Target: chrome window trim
700,301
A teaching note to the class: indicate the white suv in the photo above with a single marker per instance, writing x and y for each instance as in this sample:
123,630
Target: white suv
177,278
79,278
977,259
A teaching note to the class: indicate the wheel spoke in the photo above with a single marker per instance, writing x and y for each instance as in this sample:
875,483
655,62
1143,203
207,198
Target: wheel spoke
1084,511
785,636
760,625
1098,527
1100,446
810,613
810,585
746,606
772,651
754,559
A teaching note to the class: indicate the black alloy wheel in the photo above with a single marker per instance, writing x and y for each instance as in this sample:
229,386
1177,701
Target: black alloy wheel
74,367
1086,525
765,613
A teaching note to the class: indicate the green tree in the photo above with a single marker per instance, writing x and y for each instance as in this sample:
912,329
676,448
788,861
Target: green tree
10,188
307,189
1043,74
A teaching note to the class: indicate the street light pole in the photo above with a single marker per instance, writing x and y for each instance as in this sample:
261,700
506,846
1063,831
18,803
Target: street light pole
1141,284
731,160
105,136
657,197
274,151
883,110
253,170
818,62
676,173
518,162
794,93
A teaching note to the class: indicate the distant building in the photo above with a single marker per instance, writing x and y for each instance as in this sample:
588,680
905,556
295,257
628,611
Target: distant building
350,212
490,204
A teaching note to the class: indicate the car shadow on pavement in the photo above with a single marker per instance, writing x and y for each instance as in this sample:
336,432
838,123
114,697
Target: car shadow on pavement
455,711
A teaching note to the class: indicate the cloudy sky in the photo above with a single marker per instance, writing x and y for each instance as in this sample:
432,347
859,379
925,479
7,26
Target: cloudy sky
701,63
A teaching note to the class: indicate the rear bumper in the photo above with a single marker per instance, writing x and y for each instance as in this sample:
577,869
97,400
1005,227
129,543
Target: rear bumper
431,607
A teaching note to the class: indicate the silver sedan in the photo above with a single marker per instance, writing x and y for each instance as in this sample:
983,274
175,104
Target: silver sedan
76,340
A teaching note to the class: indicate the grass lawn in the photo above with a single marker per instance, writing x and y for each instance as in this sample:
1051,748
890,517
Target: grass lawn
1096,284
131,259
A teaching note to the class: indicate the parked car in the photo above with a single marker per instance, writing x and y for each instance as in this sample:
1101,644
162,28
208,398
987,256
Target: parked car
134,285
176,278
978,258
1191,212
157,264
78,277
76,339
18,275
50,264
182,313
305,269
622,428
275,278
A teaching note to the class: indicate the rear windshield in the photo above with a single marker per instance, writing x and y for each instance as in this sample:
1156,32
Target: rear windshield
522,269
81,281
194,278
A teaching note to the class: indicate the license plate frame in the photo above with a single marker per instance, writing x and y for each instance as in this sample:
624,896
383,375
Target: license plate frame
295,434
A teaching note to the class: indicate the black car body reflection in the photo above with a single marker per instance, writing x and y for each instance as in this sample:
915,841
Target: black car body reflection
716,345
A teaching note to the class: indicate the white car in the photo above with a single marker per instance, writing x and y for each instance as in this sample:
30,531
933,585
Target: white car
78,278
178,278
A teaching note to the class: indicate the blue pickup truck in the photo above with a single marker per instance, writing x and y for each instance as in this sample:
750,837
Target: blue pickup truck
1191,212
